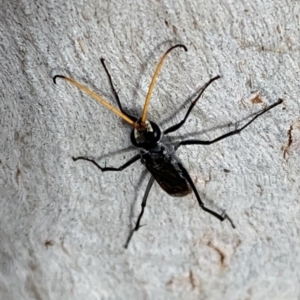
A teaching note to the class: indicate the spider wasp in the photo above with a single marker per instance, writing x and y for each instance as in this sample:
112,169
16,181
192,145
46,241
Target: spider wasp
159,159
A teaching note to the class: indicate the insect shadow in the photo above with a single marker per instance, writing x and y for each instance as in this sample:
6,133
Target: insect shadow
155,155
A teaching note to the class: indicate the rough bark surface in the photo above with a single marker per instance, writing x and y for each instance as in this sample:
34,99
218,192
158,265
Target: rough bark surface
63,224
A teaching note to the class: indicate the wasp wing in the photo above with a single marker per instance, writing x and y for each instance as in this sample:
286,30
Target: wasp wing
169,176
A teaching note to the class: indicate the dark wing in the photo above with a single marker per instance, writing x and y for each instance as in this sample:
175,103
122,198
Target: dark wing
171,179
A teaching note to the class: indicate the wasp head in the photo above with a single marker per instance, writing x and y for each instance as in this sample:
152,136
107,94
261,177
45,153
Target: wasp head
146,136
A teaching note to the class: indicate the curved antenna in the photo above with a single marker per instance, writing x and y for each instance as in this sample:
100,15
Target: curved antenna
158,68
98,98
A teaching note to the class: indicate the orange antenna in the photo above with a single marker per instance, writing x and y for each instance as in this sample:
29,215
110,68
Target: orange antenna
97,97
146,105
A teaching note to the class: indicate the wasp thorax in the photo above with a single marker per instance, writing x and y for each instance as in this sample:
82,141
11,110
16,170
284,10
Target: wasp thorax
146,136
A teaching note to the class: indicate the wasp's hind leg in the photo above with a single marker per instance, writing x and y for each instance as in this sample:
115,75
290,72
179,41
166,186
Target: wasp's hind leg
222,216
137,225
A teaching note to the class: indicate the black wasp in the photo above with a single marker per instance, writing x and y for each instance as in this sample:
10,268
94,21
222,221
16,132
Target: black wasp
160,161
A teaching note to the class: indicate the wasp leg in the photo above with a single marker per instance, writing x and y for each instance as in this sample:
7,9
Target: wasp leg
224,136
137,225
115,92
222,216
177,126
105,169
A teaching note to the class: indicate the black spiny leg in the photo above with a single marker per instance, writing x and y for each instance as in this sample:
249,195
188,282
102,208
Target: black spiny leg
177,126
224,136
105,169
115,92
221,217
137,225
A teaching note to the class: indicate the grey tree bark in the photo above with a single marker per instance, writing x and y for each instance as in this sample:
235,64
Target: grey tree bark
63,223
